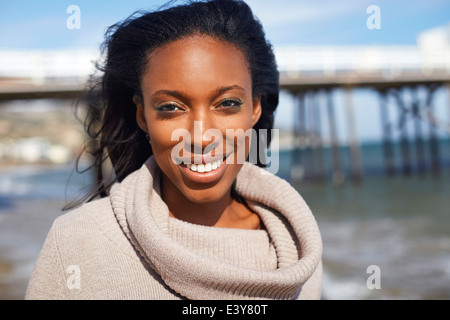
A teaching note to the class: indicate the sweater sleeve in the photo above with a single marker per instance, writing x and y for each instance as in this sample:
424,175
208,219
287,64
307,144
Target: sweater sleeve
48,279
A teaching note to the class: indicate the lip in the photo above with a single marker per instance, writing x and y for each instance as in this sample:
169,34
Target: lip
204,177
202,159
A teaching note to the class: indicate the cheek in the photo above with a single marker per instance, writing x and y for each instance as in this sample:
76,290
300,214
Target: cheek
161,141
243,120
240,132
161,133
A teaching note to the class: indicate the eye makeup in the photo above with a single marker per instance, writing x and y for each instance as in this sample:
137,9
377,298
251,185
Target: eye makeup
229,106
231,103
167,107
167,110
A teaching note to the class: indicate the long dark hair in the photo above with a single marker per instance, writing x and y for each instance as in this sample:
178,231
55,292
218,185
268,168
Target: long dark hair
113,133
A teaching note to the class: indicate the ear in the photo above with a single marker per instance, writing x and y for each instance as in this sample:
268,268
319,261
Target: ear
140,114
257,109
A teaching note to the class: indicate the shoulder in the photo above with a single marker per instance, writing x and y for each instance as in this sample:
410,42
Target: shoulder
88,212
89,233
87,237
91,223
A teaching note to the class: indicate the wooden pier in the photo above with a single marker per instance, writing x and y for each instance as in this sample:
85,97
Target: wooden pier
398,75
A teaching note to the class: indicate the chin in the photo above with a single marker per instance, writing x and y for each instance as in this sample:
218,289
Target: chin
202,196
213,192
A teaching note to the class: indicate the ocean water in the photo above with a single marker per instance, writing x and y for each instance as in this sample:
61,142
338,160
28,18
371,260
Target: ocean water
400,225
397,225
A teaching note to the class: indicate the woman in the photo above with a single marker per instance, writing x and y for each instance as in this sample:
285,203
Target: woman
184,217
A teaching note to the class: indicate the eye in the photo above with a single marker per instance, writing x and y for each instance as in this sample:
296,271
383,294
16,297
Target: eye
168,107
231,103
168,110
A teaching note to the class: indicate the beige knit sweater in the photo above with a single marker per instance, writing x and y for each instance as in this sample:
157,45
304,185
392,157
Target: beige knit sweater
126,246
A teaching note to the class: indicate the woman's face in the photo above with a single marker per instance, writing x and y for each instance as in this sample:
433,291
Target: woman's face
193,91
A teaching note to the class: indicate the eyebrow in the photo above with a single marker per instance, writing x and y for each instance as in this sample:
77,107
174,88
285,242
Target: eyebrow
222,90
181,94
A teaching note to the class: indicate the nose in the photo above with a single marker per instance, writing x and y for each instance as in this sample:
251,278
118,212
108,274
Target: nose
205,136
201,137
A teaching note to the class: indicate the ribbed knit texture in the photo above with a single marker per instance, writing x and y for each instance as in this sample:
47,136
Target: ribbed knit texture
127,247
245,248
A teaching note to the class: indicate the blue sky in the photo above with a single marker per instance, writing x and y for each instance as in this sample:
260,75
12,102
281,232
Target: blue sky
38,24
41,24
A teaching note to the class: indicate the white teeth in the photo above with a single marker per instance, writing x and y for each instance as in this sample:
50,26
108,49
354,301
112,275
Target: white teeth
208,167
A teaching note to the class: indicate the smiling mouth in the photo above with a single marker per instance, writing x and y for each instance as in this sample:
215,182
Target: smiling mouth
208,164
207,167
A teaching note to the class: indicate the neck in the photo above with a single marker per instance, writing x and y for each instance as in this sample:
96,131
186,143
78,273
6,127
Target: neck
224,212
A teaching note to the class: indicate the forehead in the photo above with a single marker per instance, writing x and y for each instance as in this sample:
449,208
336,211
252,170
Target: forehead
196,61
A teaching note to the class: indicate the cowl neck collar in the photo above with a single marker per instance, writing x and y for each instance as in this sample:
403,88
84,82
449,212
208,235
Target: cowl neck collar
144,218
